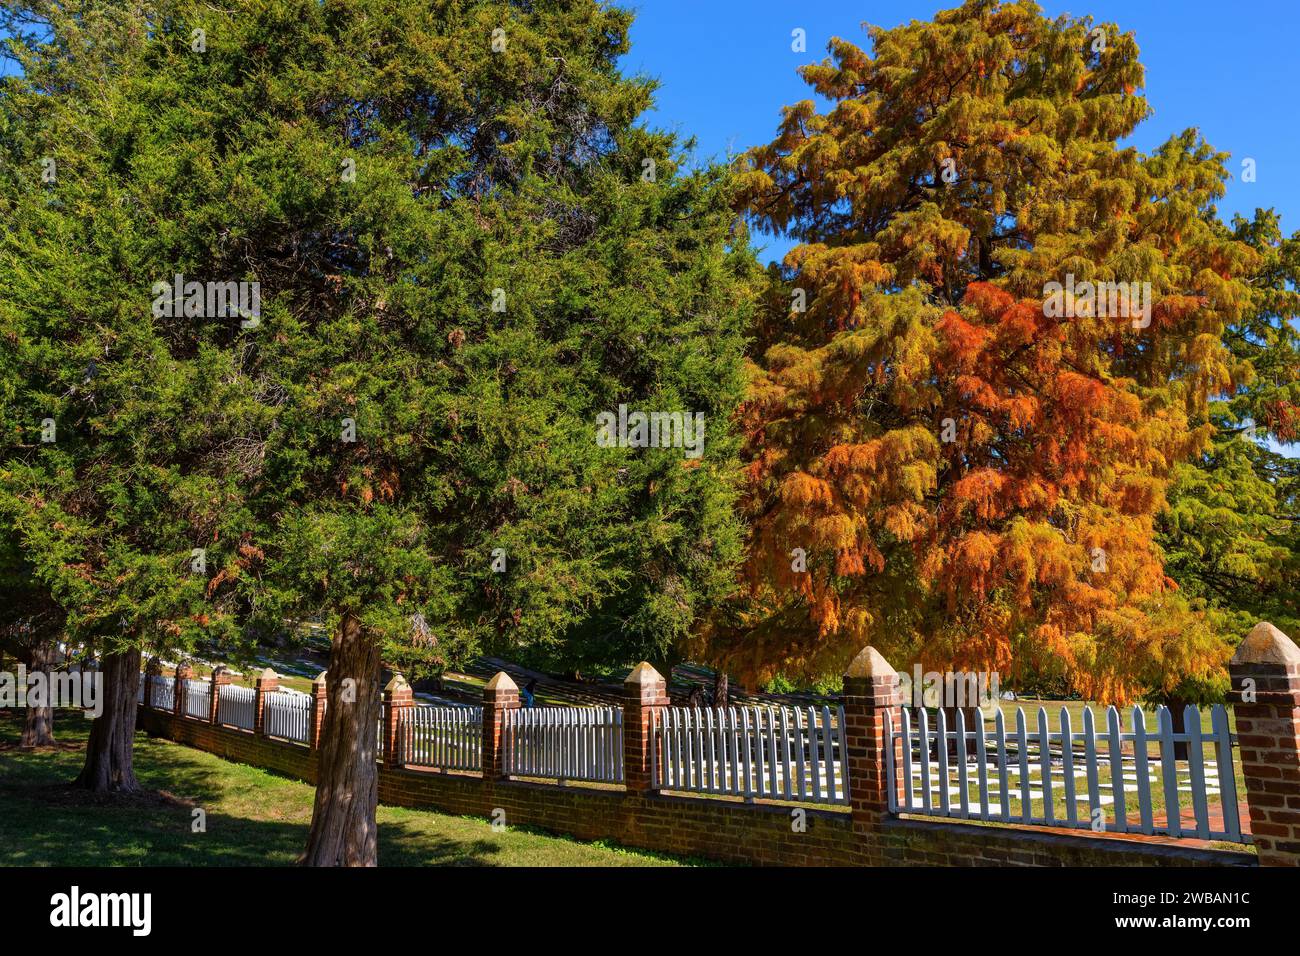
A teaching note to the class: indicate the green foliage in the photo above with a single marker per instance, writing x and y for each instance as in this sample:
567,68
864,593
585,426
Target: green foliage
475,171
1232,533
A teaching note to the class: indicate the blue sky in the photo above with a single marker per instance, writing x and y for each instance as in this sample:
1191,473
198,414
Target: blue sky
726,69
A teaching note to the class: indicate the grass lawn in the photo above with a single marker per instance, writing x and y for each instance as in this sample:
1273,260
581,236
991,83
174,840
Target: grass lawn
254,818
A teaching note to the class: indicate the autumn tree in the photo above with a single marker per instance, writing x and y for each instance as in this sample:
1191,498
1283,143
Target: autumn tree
947,460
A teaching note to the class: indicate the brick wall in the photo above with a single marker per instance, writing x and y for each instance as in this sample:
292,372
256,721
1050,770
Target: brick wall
723,830
1266,696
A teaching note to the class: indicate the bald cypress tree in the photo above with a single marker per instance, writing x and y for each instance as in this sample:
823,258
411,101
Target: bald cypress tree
959,433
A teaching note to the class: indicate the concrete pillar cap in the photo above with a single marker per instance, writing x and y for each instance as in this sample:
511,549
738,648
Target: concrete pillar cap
268,674
397,683
1265,644
643,674
870,663
320,678
501,681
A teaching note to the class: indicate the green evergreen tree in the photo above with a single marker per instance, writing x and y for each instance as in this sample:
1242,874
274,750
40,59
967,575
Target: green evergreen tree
1232,532
122,471
467,250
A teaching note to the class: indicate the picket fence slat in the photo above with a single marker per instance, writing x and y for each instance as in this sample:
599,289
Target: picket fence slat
1022,753
1067,770
1196,770
1004,786
941,738
1090,756
1045,764
963,772
1117,770
1167,760
907,759
1142,768
1227,779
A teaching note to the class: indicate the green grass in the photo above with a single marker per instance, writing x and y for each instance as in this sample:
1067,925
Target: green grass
254,818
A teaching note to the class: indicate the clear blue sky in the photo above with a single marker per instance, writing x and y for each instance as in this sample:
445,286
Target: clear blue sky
726,69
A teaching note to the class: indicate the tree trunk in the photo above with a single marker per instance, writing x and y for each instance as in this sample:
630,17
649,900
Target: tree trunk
971,724
721,690
109,767
1179,723
343,829
38,725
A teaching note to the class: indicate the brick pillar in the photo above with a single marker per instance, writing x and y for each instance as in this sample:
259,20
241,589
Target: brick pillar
183,674
500,695
151,670
267,682
870,692
397,698
220,678
645,693
318,695
1266,697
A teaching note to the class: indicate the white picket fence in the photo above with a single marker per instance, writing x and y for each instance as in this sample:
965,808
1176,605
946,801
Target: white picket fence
449,738
236,706
286,716
1019,775
198,698
162,692
775,753
564,743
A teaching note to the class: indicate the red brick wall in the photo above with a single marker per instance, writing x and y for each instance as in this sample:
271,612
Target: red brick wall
688,826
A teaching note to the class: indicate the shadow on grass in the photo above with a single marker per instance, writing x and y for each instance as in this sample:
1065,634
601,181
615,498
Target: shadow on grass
250,817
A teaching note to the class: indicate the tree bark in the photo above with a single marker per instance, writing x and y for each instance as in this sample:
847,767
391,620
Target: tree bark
343,829
38,723
971,724
109,767
1179,722
721,688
